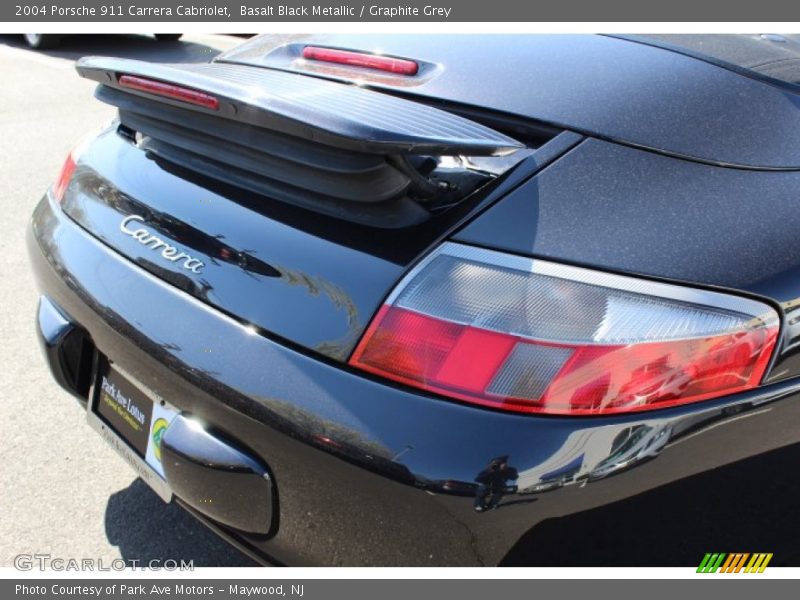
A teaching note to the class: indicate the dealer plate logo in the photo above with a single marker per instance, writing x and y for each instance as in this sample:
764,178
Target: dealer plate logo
159,428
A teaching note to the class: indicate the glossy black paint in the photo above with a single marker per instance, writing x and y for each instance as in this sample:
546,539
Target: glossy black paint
66,349
216,478
368,473
605,87
623,209
344,117
266,262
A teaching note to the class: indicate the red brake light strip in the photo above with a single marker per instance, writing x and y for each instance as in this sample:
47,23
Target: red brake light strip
169,90
398,66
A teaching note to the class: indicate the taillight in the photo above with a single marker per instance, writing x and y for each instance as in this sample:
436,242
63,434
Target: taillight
169,90
364,60
535,336
64,176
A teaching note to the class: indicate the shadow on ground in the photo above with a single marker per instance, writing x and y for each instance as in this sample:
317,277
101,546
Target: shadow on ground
145,529
139,47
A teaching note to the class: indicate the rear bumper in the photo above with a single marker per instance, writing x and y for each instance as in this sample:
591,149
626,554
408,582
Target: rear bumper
370,474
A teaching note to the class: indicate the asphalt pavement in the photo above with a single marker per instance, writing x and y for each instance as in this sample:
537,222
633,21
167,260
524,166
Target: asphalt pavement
63,492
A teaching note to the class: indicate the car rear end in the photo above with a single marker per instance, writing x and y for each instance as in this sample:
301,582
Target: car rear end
268,290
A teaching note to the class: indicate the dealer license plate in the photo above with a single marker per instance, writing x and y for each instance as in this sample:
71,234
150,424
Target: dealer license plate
132,419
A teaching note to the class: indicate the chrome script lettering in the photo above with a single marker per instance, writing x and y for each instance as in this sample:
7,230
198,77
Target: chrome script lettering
153,242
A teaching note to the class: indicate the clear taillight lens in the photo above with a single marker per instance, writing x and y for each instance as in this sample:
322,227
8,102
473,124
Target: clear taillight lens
534,336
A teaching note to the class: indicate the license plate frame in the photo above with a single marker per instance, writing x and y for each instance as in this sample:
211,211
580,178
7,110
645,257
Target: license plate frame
133,399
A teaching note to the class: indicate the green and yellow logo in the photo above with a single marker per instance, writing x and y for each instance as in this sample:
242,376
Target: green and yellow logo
159,427
744,562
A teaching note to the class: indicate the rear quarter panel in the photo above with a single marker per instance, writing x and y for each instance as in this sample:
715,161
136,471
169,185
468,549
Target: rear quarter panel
627,210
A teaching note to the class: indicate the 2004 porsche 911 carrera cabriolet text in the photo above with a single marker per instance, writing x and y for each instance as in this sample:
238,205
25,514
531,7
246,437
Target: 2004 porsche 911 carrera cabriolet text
404,308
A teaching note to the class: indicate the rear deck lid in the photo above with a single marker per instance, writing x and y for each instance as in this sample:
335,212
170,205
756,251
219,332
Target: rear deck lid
296,218
611,88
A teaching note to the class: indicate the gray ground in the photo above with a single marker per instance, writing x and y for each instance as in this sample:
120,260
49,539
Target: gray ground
64,492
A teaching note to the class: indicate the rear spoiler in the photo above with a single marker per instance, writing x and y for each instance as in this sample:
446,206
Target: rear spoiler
340,115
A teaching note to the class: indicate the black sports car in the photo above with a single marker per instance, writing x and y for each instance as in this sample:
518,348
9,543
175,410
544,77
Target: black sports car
409,300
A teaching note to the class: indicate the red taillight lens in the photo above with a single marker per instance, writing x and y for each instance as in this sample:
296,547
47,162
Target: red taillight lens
169,90
399,66
533,336
64,176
